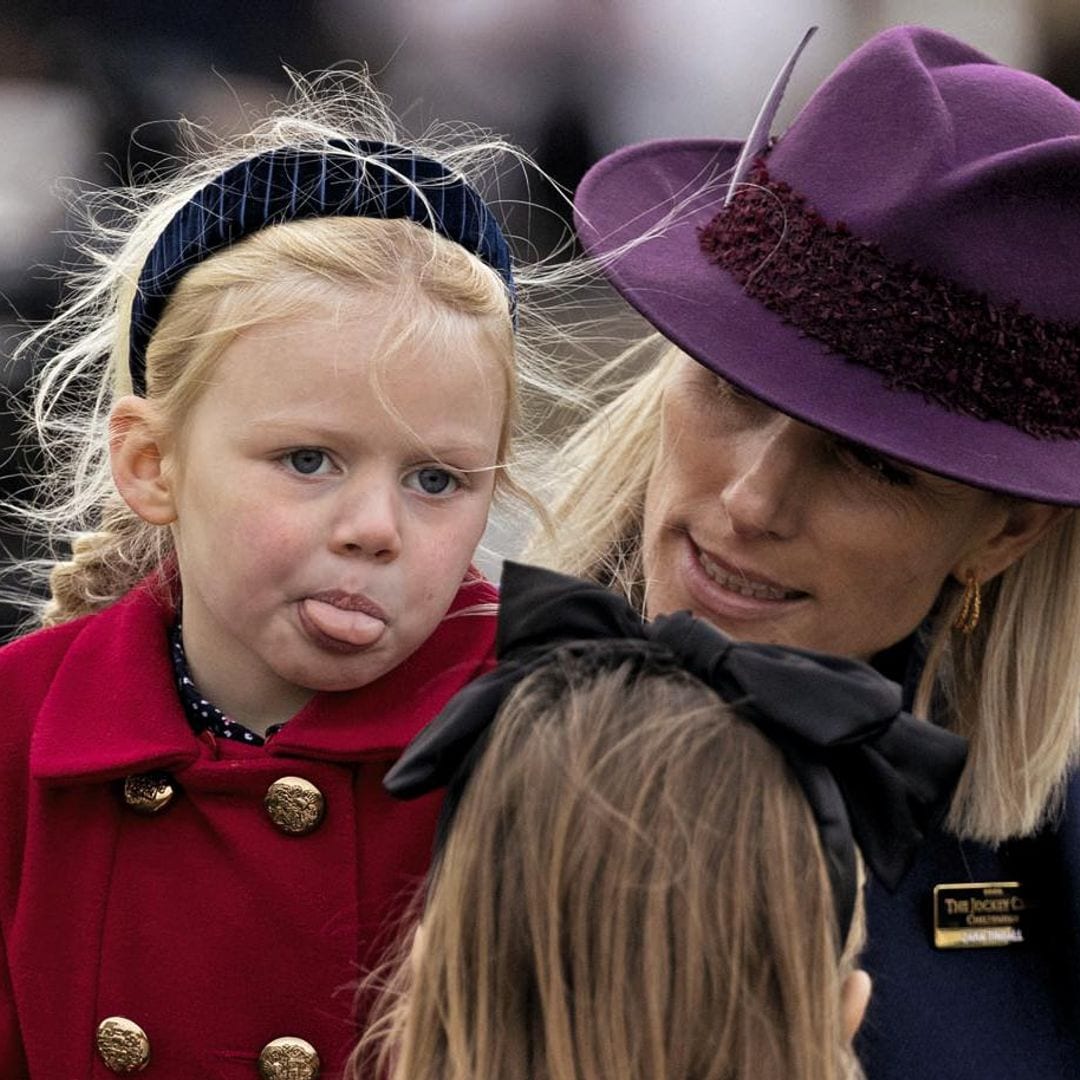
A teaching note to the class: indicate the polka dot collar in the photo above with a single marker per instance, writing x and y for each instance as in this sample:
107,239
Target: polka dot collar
203,715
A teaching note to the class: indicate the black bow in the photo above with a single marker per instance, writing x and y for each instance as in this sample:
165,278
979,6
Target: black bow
871,773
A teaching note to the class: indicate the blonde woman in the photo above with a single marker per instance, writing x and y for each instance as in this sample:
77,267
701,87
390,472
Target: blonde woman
647,865
863,436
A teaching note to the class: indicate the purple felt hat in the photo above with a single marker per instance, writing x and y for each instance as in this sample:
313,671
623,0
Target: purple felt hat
901,267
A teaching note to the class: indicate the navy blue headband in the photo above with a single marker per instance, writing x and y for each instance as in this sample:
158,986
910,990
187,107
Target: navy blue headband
367,179
871,773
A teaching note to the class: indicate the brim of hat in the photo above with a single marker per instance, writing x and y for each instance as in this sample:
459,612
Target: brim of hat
639,212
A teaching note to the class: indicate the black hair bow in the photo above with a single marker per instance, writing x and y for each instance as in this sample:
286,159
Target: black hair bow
872,774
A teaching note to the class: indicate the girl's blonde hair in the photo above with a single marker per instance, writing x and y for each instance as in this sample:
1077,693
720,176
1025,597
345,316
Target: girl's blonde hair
93,547
1012,688
633,887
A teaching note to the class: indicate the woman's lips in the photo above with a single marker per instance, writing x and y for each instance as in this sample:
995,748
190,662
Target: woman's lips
341,620
723,591
743,582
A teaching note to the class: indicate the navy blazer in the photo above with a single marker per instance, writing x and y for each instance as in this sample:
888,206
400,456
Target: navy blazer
1008,1013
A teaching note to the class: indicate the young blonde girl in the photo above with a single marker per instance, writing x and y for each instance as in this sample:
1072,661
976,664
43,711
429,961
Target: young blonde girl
647,869
276,410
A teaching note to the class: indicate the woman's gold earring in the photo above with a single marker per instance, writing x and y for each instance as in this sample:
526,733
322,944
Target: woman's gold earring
967,618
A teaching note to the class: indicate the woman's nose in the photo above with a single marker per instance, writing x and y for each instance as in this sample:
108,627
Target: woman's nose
368,521
768,474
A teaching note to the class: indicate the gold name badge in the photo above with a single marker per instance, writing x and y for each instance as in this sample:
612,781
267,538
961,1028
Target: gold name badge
979,915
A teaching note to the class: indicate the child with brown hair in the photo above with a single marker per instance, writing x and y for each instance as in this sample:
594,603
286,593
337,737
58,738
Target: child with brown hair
282,400
647,865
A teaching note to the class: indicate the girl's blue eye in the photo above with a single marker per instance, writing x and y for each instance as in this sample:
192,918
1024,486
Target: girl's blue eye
306,462
434,481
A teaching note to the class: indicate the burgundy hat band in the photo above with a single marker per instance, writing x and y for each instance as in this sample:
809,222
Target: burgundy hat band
923,333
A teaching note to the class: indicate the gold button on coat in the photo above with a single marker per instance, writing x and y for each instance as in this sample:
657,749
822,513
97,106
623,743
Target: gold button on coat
147,793
288,1058
295,805
122,1044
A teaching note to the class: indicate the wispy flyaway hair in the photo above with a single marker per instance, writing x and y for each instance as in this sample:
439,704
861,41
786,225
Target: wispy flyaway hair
430,267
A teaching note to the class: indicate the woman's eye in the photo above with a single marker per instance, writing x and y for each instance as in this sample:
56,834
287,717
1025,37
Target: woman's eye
738,402
732,392
433,481
307,462
878,465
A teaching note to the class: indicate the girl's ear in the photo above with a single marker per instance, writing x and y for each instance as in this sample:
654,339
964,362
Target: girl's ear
854,997
136,456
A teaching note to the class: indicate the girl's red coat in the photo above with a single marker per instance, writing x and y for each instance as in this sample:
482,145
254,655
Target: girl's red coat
204,924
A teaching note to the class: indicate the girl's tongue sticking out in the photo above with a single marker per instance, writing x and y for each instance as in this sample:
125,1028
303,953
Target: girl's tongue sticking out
349,624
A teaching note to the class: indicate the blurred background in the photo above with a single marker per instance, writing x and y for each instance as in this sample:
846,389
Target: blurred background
87,90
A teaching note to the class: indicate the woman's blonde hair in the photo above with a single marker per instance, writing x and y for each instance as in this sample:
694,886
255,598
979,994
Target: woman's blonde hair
1012,688
93,547
633,887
